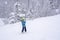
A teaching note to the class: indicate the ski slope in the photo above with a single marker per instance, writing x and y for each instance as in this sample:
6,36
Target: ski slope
45,28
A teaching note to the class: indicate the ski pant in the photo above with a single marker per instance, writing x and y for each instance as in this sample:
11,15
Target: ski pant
24,29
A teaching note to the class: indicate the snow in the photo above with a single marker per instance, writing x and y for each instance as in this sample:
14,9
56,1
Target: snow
57,10
21,15
1,23
45,28
6,2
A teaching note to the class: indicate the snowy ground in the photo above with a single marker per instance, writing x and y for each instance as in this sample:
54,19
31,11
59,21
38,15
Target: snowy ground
46,28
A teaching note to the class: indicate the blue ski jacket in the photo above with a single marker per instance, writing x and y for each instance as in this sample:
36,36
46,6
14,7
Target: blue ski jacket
23,23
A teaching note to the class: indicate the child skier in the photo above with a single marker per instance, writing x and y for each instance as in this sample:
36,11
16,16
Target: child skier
23,21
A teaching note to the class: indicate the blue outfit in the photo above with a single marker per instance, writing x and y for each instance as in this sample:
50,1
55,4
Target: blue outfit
23,25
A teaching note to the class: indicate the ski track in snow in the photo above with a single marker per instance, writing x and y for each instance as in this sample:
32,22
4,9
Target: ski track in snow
46,28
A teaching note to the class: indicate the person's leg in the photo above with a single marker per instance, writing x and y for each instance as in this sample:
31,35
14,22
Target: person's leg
25,29
22,29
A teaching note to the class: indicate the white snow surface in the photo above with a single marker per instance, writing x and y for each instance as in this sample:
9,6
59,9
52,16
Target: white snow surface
45,28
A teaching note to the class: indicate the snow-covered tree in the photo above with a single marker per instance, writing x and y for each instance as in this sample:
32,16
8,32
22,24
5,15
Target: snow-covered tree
19,11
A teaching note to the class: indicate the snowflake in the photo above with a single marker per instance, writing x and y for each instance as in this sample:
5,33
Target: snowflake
6,2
